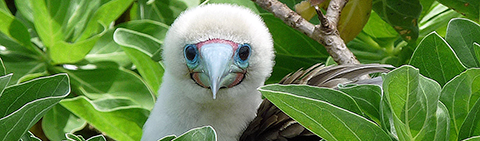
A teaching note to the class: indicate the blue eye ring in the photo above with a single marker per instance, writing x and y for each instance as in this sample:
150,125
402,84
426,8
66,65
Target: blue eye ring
190,53
243,54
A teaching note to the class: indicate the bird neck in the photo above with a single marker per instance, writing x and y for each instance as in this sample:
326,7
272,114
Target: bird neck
228,116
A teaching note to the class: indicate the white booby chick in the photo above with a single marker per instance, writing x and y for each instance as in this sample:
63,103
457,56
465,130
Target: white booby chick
215,57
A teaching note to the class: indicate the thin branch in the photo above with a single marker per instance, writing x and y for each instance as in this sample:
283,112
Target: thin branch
290,17
326,33
334,10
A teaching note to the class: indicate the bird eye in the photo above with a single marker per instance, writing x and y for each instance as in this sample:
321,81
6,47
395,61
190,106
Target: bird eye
190,53
244,52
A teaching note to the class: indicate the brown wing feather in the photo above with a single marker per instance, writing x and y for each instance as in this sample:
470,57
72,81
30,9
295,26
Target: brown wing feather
271,124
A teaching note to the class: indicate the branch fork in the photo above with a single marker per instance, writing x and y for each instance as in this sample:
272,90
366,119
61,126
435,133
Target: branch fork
326,33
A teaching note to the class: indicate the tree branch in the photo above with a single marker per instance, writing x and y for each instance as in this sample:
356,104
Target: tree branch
326,33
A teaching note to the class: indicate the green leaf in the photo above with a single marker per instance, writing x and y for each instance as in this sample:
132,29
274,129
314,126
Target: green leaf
4,82
245,3
97,138
63,52
461,96
401,15
426,5
117,118
206,133
378,28
151,71
437,19
24,8
324,119
331,96
461,34
59,121
59,34
152,32
468,8
47,28
168,138
4,79
14,29
368,98
107,79
470,126
27,102
476,47
443,118
152,28
139,41
4,8
294,49
73,137
21,68
105,15
474,138
164,11
107,50
29,137
2,68
436,59
412,99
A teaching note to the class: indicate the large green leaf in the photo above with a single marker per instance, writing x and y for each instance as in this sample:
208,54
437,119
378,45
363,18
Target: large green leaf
115,117
471,125
443,118
139,41
461,34
476,47
105,15
412,99
4,79
144,35
107,50
468,8
475,138
322,118
461,96
437,19
59,121
402,15
368,98
151,71
198,134
59,35
107,79
24,104
331,96
4,82
436,59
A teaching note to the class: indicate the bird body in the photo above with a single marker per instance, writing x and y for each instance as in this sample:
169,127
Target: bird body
176,114
215,58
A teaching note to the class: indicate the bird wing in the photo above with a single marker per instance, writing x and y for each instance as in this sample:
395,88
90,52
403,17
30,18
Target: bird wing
272,124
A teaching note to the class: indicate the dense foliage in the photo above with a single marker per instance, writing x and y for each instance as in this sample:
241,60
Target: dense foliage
73,67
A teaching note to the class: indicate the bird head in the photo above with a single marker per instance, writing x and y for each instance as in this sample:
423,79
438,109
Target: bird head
218,51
